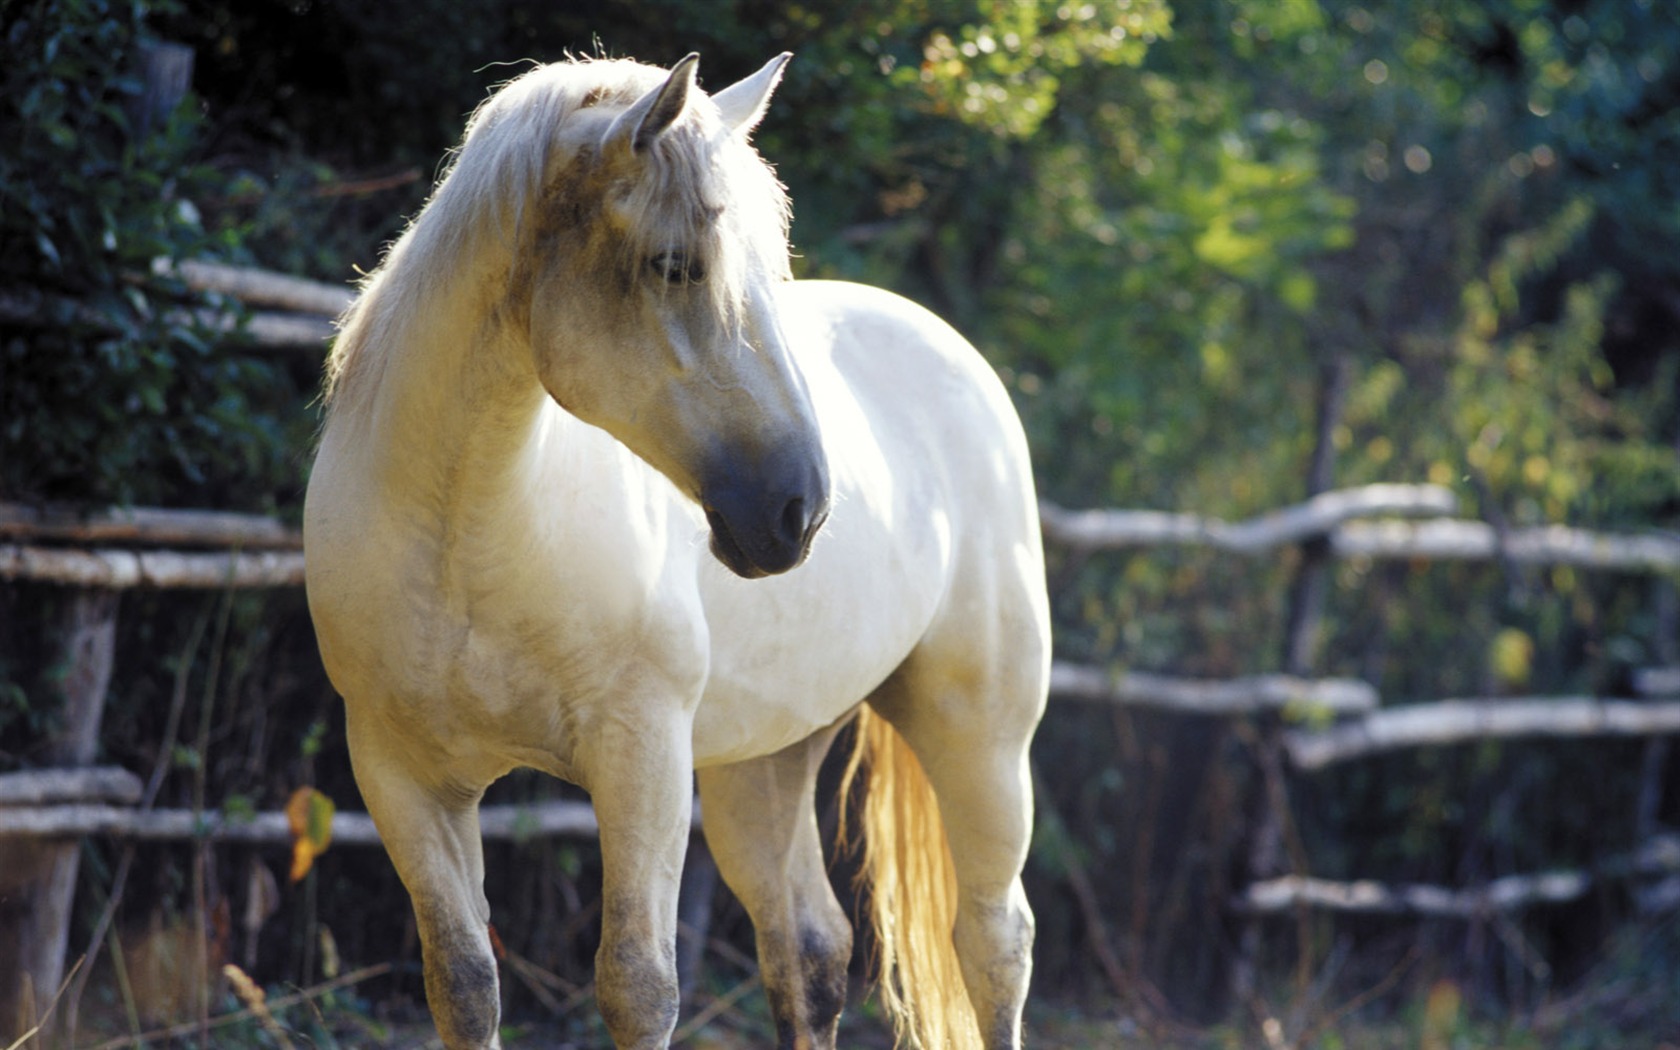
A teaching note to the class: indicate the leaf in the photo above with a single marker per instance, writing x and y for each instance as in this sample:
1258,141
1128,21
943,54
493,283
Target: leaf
1512,656
309,815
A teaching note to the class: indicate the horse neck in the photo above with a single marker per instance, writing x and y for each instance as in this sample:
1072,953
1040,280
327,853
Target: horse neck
451,398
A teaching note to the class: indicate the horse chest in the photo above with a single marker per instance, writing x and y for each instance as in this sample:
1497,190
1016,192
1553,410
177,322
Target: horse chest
500,663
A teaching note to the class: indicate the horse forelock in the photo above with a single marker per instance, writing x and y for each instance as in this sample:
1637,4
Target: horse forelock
701,189
705,192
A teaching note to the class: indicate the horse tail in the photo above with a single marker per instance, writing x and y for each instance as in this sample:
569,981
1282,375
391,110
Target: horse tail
906,863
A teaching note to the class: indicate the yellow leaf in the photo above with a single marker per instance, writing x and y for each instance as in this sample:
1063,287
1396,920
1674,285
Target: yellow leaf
309,815
1512,656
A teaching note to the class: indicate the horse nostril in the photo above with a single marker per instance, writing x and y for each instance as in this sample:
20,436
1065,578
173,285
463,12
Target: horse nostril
793,522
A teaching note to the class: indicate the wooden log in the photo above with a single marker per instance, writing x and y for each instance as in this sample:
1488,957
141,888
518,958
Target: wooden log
147,525
1234,696
1463,721
1112,529
256,287
1656,857
1478,541
123,569
508,823
46,787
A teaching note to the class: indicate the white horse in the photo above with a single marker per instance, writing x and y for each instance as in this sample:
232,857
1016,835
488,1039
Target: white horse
584,354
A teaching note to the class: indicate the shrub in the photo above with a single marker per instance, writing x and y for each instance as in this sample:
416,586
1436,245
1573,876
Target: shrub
112,388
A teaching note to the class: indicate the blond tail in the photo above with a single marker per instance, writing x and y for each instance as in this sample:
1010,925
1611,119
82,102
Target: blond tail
906,862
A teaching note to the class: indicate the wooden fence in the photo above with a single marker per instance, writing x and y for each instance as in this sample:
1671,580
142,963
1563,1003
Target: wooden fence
104,553
1340,520
142,548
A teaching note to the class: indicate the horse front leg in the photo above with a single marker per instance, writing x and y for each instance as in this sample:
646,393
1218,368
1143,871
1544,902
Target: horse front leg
431,832
639,776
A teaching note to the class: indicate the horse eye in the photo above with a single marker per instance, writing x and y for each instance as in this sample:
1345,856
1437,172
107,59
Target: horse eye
677,268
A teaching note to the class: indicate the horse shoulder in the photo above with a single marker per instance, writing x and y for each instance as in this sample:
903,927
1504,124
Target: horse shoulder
499,632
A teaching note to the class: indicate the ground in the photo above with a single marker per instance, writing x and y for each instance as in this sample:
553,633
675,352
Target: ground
1631,1001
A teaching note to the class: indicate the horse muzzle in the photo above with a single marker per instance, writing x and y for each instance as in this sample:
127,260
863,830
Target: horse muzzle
760,531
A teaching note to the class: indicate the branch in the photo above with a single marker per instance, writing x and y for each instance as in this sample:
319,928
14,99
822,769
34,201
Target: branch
1462,721
122,569
1108,529
43,787
1477,541
147,525
1235,696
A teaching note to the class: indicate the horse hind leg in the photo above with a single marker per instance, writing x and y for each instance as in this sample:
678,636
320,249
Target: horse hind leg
760,821
966,704
433,839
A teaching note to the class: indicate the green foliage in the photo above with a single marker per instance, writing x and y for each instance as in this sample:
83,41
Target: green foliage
115,389
1001,68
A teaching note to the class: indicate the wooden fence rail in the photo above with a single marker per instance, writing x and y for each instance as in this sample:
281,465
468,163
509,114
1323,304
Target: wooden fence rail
264,330
147,525
255,287
1656,858
1232,696
556,819
1336,516
119,570
1453,540
1089,530
1447,722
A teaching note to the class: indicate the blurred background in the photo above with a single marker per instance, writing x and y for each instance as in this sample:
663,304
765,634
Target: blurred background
1228,256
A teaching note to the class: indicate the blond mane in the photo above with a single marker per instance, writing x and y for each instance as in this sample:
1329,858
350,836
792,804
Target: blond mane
529,147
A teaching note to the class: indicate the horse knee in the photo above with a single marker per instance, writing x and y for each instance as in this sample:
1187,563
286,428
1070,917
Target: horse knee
462,990
638,995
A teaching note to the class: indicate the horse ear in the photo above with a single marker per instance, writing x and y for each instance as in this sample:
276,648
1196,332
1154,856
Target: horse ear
742,104
657,110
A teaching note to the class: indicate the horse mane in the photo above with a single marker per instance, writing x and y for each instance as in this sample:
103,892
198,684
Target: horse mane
701,186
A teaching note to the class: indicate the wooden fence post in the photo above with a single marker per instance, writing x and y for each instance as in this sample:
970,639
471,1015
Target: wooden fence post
38,876
1305,612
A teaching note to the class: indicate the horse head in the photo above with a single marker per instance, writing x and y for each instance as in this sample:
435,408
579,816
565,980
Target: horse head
661,239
